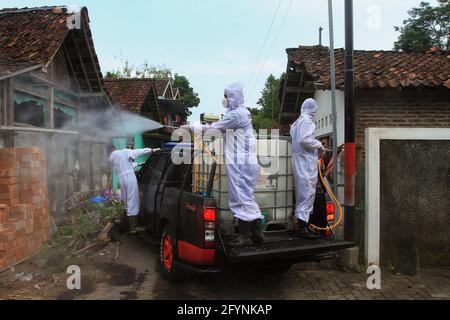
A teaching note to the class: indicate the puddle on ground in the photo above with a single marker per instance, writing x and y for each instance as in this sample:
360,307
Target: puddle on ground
118,275
87,286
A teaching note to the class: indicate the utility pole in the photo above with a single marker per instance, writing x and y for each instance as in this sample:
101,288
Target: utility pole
271,94
350,133
333,96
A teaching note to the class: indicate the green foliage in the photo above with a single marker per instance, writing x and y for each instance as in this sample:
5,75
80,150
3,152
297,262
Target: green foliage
260,121
426,27
187,94
360,268
267,116
269,100
390,267
87,220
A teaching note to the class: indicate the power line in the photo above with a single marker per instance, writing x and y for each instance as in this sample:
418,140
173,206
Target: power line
271,47
264,43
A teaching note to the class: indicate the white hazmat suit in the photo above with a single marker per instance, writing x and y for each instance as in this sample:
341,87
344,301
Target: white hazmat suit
240,155
122,161
304,160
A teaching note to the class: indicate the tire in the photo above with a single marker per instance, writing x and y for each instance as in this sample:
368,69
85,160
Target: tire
168,255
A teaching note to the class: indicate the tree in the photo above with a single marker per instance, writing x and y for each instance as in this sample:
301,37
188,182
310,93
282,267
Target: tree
269,98
426,27
127,70
260,121
267,116
187,94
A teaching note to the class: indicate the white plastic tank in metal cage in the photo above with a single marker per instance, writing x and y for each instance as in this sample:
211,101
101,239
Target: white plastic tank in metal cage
274,192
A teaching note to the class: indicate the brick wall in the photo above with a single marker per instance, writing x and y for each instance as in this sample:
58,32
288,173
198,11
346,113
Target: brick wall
375,108
386,108
24,217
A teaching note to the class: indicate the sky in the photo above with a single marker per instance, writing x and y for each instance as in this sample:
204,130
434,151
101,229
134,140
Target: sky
217,42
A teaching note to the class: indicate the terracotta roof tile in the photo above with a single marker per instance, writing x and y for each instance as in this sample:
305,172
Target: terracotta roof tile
377,68
129,94
30,37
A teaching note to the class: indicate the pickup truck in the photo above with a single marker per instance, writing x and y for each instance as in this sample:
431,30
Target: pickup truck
190,233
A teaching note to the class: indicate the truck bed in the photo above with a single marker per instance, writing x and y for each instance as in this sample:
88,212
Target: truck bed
285,246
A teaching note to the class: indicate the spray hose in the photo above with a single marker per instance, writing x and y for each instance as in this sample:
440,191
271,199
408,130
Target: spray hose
196,174
333,197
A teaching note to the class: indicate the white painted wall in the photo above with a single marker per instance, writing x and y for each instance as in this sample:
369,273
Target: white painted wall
324,121
324,113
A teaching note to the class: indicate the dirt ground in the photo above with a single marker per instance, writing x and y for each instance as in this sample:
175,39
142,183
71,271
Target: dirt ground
129,270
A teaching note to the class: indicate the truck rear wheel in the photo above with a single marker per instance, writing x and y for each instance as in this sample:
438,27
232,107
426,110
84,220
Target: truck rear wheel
168,254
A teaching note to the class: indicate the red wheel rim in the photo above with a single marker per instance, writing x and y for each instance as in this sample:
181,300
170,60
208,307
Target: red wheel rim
167,252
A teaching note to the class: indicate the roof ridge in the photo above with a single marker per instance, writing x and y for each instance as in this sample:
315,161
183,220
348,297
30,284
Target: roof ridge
378,68
28,9
127,79
138,79
324,48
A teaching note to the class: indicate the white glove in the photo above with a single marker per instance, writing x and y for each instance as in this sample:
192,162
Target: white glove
156,151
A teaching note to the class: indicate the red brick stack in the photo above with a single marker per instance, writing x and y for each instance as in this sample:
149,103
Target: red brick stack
24,217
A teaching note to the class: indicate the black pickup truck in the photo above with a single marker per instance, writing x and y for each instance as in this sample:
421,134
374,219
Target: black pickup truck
190,229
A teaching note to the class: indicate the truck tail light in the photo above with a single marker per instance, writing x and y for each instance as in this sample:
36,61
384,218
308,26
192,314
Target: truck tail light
209,217
209,214
330,211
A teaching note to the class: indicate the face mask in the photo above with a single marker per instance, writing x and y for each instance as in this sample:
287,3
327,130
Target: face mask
225,103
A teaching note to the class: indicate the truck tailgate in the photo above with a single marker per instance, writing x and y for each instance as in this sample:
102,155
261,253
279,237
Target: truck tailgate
285,247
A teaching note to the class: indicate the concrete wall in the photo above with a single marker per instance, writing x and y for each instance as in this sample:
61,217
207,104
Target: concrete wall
414,206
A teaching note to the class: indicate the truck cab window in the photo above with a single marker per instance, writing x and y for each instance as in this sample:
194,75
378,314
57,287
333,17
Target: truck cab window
175,176
152,171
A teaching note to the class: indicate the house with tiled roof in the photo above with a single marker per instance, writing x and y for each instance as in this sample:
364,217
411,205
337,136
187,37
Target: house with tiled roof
155,99
50,82
151,98
392,89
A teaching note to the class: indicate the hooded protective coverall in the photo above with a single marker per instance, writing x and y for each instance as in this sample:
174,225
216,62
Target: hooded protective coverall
304,160
240,154
122,161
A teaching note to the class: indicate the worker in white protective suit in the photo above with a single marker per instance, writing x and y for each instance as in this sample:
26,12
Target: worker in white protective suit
123,166
242,165
305,154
